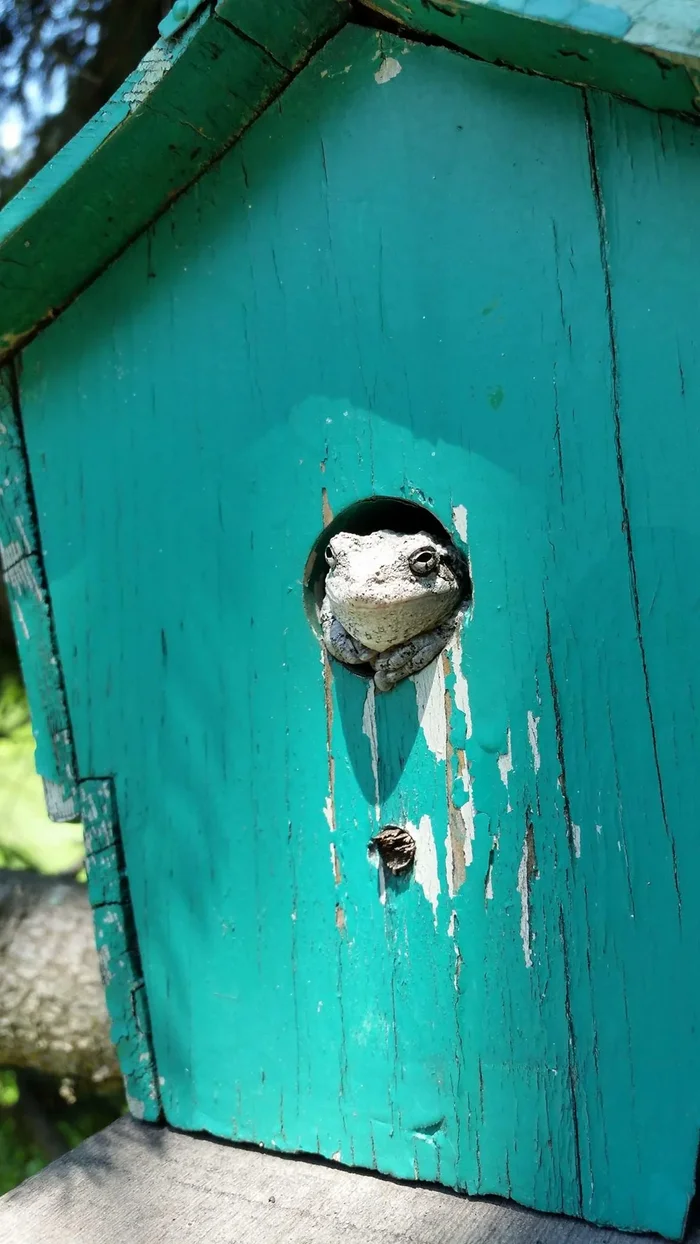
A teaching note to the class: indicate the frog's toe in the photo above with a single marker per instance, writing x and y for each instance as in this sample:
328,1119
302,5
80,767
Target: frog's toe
404,660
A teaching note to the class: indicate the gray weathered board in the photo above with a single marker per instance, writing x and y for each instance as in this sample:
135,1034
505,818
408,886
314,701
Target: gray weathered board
136,1182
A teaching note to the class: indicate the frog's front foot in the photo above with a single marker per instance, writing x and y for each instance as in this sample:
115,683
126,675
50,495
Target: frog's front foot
411,657
340,642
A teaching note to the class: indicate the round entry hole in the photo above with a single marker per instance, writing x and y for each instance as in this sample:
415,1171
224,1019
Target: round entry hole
361,519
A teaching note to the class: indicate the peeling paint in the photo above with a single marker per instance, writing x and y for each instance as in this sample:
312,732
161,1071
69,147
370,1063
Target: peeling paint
153,67
388,69
425,869
459,519
137,1108
467,814
524,892
329,813
505,763
452,923
21,622
532,727
430,703
576,838
461,691
369,729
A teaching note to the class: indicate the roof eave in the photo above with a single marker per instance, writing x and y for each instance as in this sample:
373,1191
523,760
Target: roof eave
222,64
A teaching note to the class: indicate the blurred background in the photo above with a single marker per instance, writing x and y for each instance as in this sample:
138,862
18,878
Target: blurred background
60,60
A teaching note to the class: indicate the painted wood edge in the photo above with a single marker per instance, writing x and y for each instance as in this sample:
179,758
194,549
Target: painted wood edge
30,607
198,89
117,947
190,98
579,48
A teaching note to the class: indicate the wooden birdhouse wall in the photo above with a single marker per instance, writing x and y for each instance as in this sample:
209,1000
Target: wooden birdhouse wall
423,277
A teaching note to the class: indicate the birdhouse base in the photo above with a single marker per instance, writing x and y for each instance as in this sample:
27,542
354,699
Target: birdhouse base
136,1181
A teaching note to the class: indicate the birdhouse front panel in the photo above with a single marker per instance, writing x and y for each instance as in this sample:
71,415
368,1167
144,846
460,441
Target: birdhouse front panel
419,346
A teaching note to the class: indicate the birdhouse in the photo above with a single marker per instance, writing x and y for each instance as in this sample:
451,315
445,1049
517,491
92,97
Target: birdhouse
350,520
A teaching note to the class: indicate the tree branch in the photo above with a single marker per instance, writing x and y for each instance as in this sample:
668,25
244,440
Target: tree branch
53,1016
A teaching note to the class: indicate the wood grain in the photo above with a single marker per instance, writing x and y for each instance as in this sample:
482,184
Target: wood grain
413,277
162,1187
191,96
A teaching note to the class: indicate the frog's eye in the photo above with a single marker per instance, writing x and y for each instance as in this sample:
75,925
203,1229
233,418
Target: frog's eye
423,561
331,559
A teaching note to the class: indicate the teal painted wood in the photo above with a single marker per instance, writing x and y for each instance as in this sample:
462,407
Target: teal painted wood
398,283
190,97
30,607
120,964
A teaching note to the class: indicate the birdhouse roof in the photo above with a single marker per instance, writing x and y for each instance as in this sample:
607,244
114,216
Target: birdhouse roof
218,66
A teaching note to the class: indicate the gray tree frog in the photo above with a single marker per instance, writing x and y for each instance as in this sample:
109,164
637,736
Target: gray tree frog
391,601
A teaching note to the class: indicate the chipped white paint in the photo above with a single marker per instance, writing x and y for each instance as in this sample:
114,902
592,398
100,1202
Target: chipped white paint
21,620
463,846
10,553
329,813
505,763
334,863
576,836
488,888
467,814
532,728
430,704
136,1108
153,67
425,869
452,924
106,973
369,729
21,577
523,891
459,519
461,686
388,69
19,524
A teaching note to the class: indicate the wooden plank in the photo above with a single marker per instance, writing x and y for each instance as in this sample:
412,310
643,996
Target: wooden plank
647,177
117,949
645,52
30,609
134,1182
286,31
190,97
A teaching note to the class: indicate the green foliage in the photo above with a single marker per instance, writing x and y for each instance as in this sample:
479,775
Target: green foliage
19,1158
60,60
9,1092
28,839
72,1120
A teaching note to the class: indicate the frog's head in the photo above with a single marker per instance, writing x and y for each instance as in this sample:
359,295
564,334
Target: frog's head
385,587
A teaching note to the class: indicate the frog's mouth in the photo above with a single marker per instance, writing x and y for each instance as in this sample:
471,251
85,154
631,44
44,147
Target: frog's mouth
382,624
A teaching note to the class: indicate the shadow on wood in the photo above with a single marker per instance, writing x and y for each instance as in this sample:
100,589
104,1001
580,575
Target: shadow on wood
139,1182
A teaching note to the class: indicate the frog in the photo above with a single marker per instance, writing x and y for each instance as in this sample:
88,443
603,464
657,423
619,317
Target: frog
391,601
